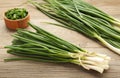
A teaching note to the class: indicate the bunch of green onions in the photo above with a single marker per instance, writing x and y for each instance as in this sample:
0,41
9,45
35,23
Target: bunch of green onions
44,46
84,18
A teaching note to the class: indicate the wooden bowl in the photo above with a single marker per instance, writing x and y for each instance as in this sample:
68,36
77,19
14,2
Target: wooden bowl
19,23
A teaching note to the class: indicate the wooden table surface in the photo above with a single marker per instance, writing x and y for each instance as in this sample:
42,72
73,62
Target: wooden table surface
30,69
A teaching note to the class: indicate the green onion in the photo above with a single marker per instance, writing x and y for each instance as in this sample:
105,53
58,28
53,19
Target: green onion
84,18
46,47
16,13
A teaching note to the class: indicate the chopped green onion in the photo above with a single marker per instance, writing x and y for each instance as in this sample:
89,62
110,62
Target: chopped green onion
16,13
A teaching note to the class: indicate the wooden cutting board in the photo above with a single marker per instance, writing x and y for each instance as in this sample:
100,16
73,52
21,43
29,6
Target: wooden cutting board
30,69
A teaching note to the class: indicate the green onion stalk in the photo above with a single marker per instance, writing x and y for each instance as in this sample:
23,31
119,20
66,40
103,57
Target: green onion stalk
84,18
86,8
46,47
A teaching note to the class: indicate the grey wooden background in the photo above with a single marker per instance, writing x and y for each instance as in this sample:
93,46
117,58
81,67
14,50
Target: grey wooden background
30,69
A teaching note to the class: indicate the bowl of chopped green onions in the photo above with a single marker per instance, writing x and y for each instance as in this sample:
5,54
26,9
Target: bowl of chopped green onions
16,18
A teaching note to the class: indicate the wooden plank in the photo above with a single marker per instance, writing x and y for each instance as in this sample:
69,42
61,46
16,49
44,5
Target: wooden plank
30,69
76,39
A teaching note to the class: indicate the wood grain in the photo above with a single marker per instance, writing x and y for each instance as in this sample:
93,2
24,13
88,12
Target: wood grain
30,69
